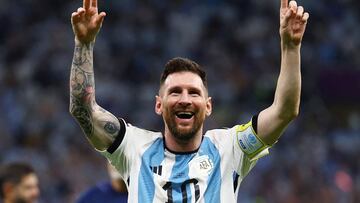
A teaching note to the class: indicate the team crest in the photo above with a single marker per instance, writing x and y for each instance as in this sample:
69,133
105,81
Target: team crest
202,164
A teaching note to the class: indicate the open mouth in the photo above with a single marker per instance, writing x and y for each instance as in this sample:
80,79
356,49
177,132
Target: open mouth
184,115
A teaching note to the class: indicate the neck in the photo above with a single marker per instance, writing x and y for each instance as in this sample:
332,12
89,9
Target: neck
177,145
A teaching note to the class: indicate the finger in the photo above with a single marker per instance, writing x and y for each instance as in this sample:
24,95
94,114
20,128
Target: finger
81,11
293,6
287,17
300,12
75,17
305,17
86,4
284,3
94,3
100,18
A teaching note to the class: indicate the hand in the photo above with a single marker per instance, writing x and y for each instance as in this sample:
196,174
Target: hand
86,21
293,22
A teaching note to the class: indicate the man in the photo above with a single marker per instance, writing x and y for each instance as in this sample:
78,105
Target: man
19,183
182,164
113,191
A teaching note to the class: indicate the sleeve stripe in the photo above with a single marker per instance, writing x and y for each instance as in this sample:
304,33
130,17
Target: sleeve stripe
119,138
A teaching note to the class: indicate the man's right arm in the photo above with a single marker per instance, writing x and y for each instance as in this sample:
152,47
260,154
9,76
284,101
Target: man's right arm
99,126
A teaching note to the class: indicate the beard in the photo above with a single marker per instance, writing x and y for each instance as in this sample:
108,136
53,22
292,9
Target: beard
183,134
21,200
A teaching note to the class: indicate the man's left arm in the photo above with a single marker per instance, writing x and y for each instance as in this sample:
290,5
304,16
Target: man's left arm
273,120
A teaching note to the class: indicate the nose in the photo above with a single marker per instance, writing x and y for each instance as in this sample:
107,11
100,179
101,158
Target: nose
185,99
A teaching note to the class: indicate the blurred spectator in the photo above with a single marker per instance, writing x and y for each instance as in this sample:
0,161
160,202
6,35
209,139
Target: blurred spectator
18,183
113,191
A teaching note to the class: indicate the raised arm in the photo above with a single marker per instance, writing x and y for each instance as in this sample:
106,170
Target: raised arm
99,126
273,120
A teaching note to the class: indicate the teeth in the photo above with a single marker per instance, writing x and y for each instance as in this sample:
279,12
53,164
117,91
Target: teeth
187,113
184,115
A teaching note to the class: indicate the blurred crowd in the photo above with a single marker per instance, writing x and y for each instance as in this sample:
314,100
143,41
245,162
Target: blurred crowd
237,43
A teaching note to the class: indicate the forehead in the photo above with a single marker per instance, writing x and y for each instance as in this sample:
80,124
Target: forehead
183,79
30,179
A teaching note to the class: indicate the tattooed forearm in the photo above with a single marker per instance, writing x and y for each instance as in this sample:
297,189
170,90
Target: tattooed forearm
111,128
82,86
82,114
99,125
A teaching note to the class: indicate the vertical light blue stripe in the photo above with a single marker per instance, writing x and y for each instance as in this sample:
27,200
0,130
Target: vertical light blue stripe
153,156
179,174
212,193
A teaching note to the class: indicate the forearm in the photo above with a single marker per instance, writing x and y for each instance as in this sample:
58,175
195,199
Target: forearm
287,95
99,125
82,86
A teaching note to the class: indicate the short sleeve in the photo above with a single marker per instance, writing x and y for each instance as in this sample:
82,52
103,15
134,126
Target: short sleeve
248,147
127,146
118,153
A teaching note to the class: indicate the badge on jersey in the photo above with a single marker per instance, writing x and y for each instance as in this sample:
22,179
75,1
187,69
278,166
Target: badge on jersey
249,142
203,165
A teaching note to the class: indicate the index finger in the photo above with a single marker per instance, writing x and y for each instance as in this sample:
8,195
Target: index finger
284,3
86,4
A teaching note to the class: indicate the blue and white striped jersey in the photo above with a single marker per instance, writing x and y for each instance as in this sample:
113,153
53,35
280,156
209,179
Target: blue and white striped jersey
211,174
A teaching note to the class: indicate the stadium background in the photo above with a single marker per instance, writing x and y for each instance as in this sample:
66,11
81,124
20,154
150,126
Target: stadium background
316,160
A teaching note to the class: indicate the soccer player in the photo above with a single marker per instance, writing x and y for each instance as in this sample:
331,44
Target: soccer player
113,191
19,183
182,164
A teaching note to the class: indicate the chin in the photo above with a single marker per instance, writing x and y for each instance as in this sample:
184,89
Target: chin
184,134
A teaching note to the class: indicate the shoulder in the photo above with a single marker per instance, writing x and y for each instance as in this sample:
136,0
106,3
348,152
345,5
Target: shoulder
140,136
219,133
219,137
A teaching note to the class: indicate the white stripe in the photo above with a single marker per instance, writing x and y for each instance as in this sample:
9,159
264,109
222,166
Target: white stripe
167,165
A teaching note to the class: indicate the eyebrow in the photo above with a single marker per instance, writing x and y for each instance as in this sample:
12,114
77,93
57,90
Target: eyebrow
191,89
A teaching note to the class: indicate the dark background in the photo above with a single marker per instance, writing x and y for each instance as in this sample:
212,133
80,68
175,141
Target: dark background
237,42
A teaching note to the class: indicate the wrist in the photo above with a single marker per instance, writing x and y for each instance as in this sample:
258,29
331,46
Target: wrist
80,43
289,46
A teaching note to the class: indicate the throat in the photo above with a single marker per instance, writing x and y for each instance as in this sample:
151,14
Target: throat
179,145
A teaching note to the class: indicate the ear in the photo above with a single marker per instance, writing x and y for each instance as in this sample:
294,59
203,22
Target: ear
158,105
208,106
7,188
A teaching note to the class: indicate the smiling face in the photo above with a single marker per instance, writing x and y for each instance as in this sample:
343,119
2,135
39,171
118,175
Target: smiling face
184,104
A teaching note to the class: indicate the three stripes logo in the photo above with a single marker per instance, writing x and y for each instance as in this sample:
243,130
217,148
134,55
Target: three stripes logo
156,169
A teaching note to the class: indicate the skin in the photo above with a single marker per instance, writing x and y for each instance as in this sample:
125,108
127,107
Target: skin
116,181
101,127
183,91
27,191
273,120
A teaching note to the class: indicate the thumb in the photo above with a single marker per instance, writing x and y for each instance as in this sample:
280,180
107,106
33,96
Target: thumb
287,17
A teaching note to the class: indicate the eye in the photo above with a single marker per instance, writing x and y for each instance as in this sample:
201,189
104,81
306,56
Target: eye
175,91
195,93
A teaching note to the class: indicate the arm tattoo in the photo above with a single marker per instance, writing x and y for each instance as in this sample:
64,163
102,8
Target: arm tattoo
111,128
82,114
82,86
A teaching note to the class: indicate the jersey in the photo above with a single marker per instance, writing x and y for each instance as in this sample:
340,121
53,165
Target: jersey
102,192
210,174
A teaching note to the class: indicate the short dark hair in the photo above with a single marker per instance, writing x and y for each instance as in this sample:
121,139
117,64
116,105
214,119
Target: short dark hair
13,173
179,64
